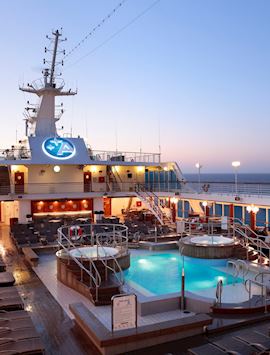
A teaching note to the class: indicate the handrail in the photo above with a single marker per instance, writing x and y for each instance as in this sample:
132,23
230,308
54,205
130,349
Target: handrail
255,242
143,194
235,268
103,260
97,279
262,273
123,244
245,267
263,291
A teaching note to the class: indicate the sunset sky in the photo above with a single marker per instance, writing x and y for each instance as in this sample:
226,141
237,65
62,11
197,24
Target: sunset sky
195,73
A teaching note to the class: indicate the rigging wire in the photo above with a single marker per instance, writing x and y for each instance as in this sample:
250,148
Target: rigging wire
93,30
136,18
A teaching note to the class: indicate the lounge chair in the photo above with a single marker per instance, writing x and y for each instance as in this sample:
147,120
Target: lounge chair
207,349
24,346
6,279
255,339
232,344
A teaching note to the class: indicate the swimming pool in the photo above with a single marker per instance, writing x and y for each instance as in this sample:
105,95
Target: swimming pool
160,273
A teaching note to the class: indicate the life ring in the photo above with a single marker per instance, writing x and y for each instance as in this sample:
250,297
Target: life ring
75,232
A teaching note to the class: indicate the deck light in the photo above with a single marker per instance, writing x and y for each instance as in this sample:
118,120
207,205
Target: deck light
204,203
140,169
56,168
252,208
93,169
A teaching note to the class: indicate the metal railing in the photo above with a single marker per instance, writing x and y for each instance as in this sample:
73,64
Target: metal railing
248,284
115,235
151,200
249,237
15,154
78,187
97,278
262,274
235,268
236,229
116,270
139,157
228,188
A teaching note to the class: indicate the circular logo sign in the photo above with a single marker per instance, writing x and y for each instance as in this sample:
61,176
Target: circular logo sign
58,148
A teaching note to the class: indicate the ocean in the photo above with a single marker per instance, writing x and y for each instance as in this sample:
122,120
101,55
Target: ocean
229,178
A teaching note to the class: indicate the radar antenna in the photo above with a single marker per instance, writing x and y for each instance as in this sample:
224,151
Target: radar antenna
44,116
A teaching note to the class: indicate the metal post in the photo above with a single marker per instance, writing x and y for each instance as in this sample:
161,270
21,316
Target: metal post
249,292
235,180
183,289
81,270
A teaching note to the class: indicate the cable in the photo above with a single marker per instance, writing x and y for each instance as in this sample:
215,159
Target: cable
101,23
136,18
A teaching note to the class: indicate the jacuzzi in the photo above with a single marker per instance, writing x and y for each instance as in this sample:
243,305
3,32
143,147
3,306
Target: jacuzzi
208,246
91,252
212,240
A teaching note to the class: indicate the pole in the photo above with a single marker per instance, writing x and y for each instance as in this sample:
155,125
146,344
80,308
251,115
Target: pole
183,287
199,178
235,179
57,34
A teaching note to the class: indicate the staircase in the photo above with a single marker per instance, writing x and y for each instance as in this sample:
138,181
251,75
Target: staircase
79,280
115,179
4,180
244,253
152,202
98,278
254,248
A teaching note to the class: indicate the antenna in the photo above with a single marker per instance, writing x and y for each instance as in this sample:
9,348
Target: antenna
57,35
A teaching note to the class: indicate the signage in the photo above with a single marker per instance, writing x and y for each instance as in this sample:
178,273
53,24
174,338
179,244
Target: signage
124,312
224,223
58,148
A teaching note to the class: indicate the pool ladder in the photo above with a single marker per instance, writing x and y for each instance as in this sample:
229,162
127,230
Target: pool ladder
240,267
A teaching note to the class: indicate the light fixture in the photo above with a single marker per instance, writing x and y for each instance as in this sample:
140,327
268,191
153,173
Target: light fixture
93,169
140,169
252,208
204,203
56,168
236,164
198,166
14,168
165,168
174,200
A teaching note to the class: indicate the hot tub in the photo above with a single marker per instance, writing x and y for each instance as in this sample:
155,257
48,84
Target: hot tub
208,246
212,240
91,252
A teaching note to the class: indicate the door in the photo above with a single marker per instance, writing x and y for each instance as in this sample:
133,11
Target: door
107,206
19,182
87,181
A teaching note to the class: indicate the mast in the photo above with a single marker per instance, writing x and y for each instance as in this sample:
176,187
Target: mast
43,117
56,34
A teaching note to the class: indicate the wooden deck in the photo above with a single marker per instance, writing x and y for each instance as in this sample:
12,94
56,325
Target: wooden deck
51,322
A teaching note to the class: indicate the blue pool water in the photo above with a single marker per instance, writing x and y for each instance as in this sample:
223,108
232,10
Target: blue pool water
160,273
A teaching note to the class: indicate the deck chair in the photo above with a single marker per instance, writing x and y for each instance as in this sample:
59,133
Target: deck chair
231,344
11,304
6,279
255,339
206,349
24,346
